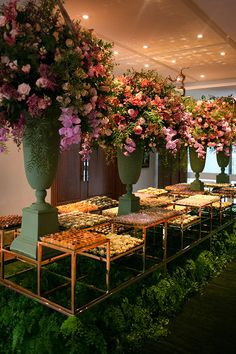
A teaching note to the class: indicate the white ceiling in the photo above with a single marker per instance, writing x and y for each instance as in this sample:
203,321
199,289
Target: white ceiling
169,28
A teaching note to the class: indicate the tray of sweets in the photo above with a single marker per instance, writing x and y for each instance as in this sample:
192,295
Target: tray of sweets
185,220
108,228
178,187
152,191
81,206
111,212
222,205
73,239
149,217
10,221
155,202
102,202
81,220
216,185
198,200
119,244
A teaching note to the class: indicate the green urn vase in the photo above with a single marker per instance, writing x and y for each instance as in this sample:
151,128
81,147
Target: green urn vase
197,165
223,162
41,154
129,168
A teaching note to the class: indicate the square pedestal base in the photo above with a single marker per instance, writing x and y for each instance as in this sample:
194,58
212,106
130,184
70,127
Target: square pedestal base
197,185
128,203
35,223
222,178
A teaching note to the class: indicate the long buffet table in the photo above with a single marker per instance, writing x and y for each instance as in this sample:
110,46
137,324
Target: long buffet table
106,240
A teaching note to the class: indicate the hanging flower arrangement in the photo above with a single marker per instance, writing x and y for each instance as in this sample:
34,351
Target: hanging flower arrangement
213,124
146,110
45,67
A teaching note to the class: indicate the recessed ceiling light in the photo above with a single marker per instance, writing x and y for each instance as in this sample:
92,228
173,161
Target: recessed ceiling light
145,46
222,53
173,61
202,76
146,65
178,78
85,17
116,52
200,35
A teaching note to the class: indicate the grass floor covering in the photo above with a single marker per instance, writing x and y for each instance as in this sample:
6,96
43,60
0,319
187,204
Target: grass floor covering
207,324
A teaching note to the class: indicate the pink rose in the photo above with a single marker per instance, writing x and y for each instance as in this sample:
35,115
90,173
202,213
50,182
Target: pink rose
138,129
88,108
3,21
42,82
24,89
26,68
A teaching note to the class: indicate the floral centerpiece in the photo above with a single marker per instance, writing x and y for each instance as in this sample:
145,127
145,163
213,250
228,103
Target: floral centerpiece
213,124
54,79
145,110
45,66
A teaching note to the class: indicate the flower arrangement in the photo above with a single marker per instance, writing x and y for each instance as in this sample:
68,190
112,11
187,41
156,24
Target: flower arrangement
213,124
45,66
146,110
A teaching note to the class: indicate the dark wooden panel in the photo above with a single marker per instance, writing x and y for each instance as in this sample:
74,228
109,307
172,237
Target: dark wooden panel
69,186
172,170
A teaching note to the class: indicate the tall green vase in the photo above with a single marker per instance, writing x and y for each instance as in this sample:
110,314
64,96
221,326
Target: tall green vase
129,168
197,165
40,161
223,162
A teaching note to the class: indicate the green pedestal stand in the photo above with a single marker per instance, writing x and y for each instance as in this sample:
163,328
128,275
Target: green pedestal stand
37,220
197,165
40,167
223,162
129,168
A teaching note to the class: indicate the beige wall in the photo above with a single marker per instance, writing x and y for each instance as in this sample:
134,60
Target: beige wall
15,192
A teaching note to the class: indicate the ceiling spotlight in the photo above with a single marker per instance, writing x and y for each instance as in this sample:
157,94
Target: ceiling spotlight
202,76
146,65
222,53
85,17
173,61
115,52
145,46
200,35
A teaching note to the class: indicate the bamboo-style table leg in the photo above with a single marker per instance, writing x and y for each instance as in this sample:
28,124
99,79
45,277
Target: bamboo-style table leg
165,240
40,254
144,248
108,266
1,254
73,281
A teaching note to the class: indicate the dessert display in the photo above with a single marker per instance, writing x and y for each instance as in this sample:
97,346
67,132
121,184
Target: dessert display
222,205
112,212
152,216
102,202
81,206
73,239
155,202
182,189
175,207
81,220
216,185
198,200
184,220
119,244
109,228
10,221
152,191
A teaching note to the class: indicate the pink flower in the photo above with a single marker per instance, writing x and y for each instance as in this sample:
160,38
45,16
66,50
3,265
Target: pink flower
24,89
133,113
138,130
3,21
26,68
